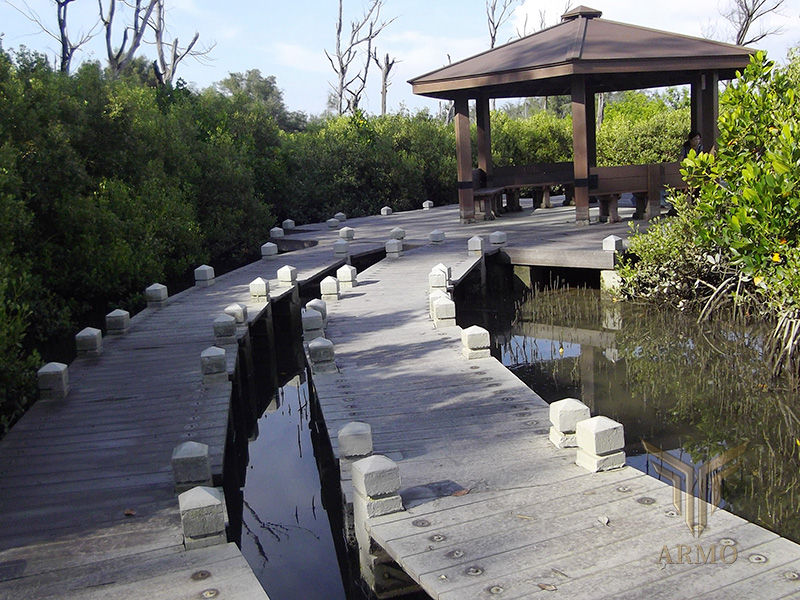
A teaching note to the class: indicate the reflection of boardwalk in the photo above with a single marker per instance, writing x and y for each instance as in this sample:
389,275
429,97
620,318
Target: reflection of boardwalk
72,468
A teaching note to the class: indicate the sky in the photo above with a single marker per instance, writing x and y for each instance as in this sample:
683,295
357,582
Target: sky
288,39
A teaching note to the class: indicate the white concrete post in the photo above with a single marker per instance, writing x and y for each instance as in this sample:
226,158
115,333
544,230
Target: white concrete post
600,444
214,366
204,276
269,251
347,233
613,243
398,233
89,342
202,517
436,236
394,249
313,324
476,343
118,322
475,245
498,238
427,205
329,289
347,276
444,313
259,290
322,356
376,482
564,416
386,211
191,466
333,223
437,280
225,330
288,224
157,296
434,296
53,381
340,216
341,248
321,307
287,276
276,232
610,282
355,440
237,311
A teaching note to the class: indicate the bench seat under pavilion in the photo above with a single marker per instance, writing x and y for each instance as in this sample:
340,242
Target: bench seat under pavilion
582,56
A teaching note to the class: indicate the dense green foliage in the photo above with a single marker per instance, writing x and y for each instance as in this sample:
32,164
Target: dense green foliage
735,238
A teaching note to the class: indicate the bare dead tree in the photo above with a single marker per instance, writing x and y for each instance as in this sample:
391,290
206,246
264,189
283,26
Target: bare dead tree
169,53
495,20
743,14
385,68
348,89
67,45
118,59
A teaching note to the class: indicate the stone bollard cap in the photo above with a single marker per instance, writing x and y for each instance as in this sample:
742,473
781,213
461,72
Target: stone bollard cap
287,274
394,246
269,249
347,233
498,238
436,236
386,211
355,439
276,232
600,435
475,338
376,476
340,216
329,285
259,287
204,273
288,224
311,319
156,292
567,413
318,305
444,308
613,243
237,311
346,273
333,223
475,244
398,233
321,350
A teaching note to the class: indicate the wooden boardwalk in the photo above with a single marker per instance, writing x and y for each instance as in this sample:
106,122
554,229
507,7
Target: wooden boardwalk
492,508
71,469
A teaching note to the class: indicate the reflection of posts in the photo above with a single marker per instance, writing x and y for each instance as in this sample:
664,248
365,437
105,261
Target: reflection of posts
587,375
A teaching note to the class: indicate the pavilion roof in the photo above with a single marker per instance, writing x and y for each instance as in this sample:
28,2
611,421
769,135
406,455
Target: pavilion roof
613,56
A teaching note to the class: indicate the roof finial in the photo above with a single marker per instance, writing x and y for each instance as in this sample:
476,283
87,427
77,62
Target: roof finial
581,11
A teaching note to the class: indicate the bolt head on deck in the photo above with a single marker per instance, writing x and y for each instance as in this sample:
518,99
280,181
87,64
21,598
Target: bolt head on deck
567,413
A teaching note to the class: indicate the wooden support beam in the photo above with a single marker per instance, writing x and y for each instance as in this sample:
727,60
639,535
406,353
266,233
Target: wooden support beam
484,138
580,147
464,161
709,107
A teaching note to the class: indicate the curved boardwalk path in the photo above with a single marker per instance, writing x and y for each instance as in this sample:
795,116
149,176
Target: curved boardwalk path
72,468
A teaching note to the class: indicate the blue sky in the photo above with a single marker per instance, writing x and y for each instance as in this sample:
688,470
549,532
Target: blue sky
288,39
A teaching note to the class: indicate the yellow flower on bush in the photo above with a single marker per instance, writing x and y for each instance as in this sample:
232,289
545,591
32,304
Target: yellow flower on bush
776,258
758,279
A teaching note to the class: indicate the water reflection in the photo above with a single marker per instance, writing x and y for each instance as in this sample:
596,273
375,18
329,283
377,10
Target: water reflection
286,535
694,390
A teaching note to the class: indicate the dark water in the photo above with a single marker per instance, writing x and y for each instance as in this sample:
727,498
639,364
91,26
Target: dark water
695,390
286,533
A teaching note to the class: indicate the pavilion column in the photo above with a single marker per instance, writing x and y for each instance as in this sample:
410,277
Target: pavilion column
581,146
484,138
466,199
709,107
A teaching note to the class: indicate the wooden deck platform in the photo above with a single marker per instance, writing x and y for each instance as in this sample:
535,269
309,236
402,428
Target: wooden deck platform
71,469
492,508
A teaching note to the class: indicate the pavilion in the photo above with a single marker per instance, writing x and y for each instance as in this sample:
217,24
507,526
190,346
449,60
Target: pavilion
580,57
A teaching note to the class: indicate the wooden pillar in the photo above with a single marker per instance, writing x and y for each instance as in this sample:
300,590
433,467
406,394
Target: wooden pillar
709,107
580,148
484,138
697,113
466,201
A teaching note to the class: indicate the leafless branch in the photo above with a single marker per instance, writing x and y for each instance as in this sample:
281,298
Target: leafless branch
167,66
385,68
494,20
743,14
119,59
